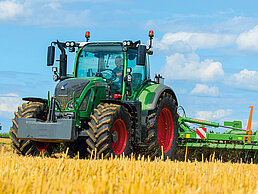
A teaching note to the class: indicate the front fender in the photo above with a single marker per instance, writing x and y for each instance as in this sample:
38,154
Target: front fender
33,99
119,102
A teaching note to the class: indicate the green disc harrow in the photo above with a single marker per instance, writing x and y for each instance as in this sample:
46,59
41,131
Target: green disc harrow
238,143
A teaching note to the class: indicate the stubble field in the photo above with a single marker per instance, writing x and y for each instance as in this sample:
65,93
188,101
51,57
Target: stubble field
20,174
5,141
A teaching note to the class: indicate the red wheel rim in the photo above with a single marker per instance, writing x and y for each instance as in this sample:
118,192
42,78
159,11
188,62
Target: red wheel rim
165,130
41,146
119,145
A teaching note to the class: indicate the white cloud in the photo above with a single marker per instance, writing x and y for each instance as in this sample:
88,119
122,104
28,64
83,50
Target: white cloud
244,79
195,40
9,104
230,24
53,5
189,67
53,13
248,40
204,90
9,9
209,115
182,63
45,13
235,25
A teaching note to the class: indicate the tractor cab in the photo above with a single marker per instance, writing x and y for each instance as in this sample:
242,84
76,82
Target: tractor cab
124,66
112,62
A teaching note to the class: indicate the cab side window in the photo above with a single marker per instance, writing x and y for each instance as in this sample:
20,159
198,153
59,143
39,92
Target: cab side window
138,71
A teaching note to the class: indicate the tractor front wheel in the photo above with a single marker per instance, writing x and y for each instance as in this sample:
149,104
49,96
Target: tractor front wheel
28,147
109,131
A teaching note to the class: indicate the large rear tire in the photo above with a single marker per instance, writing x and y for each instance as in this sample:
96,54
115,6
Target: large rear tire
110,131
28,147
162,129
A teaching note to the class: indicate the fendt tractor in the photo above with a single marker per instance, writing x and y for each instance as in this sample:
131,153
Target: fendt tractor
110,107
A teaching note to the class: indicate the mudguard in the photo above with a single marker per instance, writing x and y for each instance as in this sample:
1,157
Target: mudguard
33,99
120,102
150,95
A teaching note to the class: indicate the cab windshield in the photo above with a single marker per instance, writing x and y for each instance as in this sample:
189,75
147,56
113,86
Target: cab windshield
102,60
95,59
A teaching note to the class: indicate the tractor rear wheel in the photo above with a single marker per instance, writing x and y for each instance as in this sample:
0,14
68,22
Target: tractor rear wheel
28,147
162,128
109,131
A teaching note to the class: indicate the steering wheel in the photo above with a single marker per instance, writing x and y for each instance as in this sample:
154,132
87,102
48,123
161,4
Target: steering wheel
110,76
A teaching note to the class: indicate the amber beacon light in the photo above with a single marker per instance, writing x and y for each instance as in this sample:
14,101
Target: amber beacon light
87,35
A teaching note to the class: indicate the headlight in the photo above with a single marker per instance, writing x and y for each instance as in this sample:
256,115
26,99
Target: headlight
67,44
55,77
72,44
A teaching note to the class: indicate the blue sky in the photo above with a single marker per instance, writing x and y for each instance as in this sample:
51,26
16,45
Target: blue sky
206,50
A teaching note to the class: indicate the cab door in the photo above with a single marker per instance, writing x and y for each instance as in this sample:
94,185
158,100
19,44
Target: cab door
138,71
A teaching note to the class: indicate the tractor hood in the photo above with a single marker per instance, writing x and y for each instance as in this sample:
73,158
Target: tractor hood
64,90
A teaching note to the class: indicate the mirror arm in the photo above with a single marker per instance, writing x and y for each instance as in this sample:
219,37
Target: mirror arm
61,46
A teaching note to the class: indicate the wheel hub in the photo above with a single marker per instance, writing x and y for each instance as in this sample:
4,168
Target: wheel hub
165,130
114,136
41,146
119,136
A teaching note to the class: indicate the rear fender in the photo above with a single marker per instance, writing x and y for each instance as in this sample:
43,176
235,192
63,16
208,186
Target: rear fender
150,95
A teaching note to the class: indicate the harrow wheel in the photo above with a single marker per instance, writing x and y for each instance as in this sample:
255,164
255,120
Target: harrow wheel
28,147
109,131
162,129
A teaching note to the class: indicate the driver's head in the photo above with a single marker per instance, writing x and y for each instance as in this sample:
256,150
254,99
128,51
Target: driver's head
118,61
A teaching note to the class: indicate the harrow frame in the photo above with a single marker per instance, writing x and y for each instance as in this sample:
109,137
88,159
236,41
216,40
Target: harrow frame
235,139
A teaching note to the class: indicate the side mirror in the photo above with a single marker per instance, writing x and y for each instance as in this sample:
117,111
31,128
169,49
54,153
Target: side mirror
50,55
141,55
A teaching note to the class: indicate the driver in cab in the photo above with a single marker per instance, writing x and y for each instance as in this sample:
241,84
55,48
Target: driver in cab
119,67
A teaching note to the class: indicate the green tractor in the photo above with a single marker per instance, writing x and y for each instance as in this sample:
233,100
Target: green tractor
108,107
